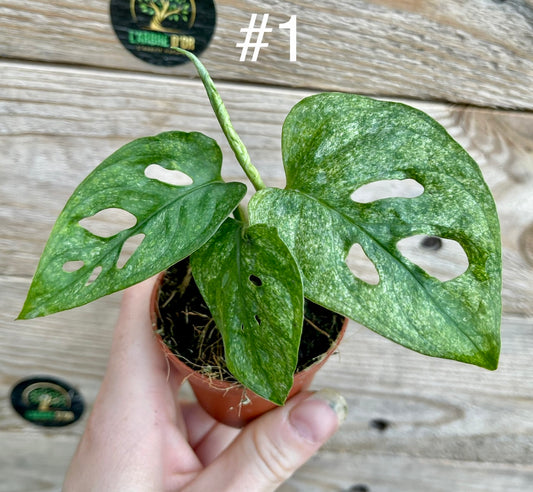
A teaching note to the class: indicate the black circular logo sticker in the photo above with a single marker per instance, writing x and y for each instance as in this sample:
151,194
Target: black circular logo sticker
47,401
150,29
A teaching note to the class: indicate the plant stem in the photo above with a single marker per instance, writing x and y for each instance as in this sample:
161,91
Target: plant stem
223,118
240,214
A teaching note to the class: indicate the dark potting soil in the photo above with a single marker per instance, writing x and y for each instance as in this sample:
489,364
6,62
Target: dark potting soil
188,329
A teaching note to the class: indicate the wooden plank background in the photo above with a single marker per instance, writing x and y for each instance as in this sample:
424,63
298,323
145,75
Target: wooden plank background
475,52
70,95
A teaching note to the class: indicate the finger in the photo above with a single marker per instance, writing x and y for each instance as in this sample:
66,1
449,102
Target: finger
135,310
138,370
273,447
134,347
207,437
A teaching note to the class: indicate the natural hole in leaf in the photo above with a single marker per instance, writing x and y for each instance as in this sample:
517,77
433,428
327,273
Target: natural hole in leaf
445,262
94,275
258,319
168,176
361,265
387,188
72,266
128,248
256,280
108,222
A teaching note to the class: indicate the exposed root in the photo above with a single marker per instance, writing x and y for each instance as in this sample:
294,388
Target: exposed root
320,330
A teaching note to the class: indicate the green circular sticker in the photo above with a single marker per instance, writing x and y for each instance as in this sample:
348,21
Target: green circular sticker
47,401
150,29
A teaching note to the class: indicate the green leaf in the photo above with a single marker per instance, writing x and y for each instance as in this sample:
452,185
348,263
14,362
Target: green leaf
175,220
335,143
253,288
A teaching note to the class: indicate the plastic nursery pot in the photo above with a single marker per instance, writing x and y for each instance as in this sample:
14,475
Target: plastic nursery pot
228,402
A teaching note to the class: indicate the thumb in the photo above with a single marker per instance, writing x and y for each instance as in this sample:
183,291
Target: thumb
270,449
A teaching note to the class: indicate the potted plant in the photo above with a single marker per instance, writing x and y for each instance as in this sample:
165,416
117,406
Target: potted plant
254,269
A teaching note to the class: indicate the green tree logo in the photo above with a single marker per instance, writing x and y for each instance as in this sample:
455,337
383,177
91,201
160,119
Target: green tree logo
167,10
46,396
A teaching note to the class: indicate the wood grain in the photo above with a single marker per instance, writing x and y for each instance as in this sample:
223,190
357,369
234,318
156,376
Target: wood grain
392,473
476,52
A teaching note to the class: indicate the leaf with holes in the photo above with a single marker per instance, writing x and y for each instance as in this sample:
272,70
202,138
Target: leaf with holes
171,221
253,288
332,145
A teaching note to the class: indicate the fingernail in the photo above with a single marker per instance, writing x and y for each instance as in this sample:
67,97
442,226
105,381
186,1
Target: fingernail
312,418
335,401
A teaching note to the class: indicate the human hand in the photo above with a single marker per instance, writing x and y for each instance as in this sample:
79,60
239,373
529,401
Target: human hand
139,437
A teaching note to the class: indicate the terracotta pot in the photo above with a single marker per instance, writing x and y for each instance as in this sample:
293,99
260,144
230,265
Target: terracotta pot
232,403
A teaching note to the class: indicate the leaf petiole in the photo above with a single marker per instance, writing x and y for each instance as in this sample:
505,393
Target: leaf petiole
223,118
